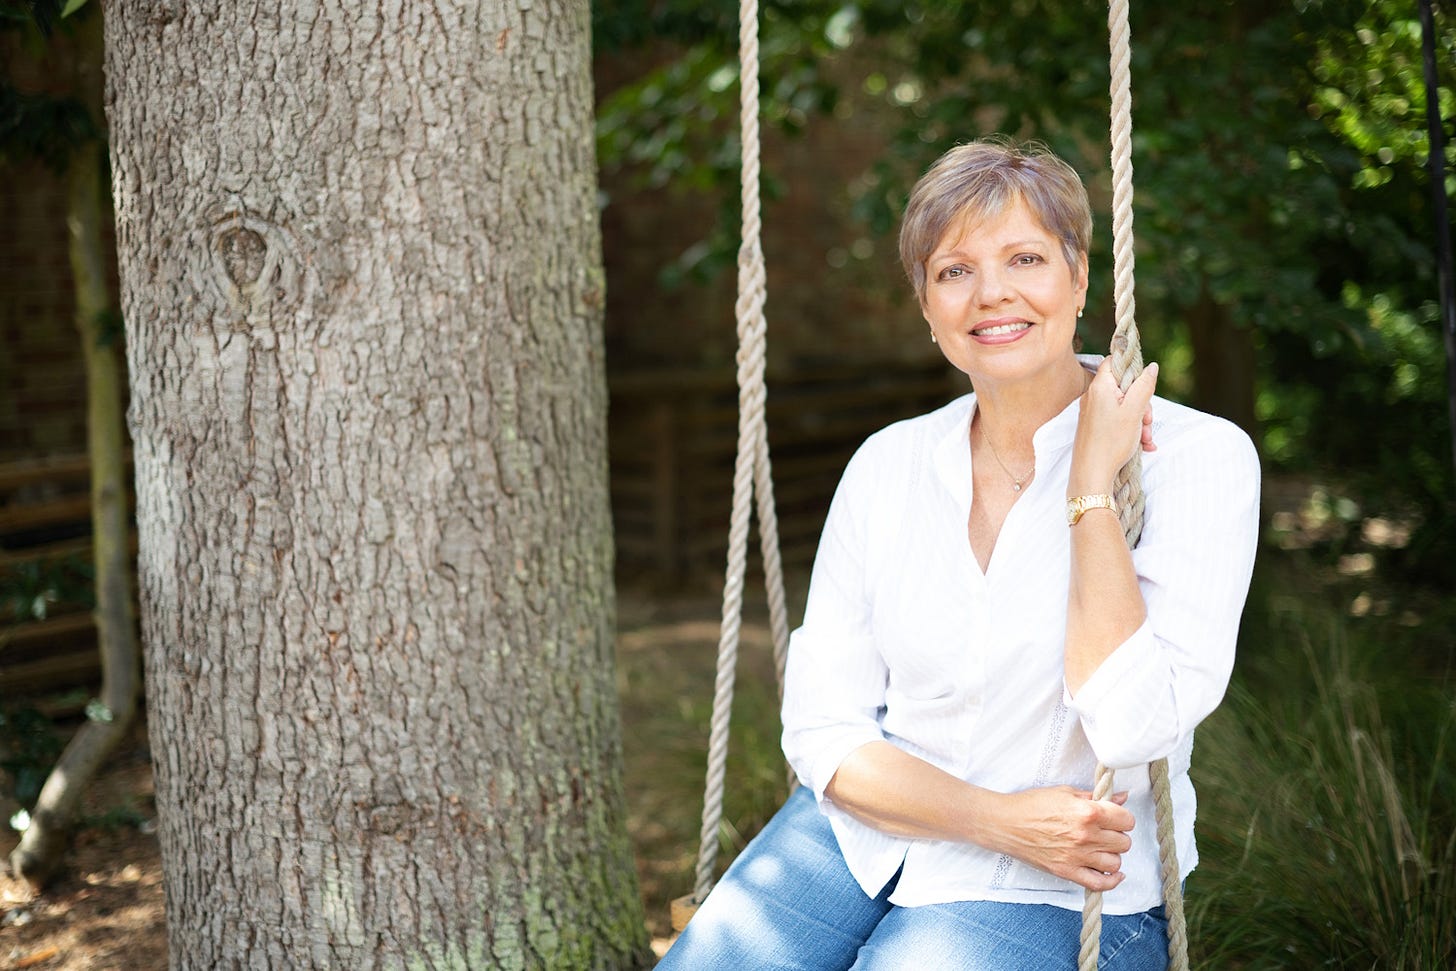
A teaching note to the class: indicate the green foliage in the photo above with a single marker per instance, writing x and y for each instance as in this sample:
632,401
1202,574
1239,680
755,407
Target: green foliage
41,127
29,748
42,15
44,127
28,590
125,816
676,127
1327,817
1372,91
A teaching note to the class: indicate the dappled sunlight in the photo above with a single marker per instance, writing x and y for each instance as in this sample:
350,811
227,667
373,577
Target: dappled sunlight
1303,515
666,660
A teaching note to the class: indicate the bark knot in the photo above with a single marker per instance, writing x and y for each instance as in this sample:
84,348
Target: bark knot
253,267
242,252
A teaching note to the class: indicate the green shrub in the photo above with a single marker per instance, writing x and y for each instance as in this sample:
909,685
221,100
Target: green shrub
1327,818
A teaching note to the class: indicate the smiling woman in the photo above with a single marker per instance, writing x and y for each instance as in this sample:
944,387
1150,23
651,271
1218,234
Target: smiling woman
966,658
995,243
1002,301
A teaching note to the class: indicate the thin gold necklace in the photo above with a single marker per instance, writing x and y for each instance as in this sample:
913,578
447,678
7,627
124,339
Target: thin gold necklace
1016,480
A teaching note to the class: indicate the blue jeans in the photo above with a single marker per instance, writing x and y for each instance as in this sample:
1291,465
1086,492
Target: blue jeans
789,903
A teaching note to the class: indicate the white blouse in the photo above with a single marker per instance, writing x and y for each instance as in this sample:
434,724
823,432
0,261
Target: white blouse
905,639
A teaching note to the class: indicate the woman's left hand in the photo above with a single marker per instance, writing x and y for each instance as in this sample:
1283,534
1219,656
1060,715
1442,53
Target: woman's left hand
1112,426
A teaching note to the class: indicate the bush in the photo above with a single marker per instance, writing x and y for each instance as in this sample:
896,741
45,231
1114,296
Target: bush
1327,824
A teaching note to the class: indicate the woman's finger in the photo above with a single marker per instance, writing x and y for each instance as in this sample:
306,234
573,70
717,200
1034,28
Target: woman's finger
1097,880
1140,393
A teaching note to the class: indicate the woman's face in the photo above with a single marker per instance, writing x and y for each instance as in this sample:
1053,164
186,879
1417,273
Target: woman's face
1001,299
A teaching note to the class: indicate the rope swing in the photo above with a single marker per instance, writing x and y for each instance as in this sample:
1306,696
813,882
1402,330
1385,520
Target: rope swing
1127,364
752,474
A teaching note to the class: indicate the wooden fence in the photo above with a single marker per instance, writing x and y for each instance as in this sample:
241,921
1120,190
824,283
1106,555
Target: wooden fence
674,435
45,543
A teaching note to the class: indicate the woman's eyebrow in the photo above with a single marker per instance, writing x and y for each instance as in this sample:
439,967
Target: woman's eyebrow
960,254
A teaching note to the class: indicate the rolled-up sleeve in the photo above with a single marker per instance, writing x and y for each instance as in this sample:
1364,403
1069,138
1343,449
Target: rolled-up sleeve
834,683
1193,562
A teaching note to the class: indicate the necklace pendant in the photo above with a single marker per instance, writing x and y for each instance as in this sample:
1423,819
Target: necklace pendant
1016,486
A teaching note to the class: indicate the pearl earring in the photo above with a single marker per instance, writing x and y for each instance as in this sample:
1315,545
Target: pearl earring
1079,313
932,338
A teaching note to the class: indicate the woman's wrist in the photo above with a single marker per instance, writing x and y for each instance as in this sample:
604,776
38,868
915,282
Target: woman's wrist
1089,485
984,820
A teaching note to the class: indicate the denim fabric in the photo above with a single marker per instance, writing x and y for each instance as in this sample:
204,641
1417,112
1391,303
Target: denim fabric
789,903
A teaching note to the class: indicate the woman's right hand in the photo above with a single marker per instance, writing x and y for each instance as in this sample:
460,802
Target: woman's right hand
1066,833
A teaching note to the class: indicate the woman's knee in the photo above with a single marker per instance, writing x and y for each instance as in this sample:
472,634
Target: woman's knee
788,901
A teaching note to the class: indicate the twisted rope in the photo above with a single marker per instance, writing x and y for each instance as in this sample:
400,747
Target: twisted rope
1127,364
752,470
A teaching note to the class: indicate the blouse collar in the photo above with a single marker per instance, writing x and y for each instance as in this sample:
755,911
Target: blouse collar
952,456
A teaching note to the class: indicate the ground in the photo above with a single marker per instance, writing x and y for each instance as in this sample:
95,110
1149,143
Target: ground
106,912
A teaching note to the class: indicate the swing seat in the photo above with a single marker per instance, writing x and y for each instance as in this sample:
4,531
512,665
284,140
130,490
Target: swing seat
681,910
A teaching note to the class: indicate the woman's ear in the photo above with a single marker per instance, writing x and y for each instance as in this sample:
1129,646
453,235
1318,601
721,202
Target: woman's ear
1082,277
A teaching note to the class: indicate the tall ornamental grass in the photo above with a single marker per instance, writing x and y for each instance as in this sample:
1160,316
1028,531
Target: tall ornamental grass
1327,823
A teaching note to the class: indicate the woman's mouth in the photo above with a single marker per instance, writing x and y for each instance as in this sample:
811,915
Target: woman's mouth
1000,331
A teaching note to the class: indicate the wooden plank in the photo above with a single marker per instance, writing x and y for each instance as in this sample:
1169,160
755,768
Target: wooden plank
643,489
59,550
61,669
57,468
32,515
80,546
52,628
816,419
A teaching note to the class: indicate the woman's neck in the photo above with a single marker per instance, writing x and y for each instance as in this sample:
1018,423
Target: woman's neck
1010,414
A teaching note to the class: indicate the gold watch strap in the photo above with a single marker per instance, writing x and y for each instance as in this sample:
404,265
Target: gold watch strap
1077,505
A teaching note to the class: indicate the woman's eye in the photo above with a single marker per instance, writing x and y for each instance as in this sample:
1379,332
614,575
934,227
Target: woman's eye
952,272
1028,259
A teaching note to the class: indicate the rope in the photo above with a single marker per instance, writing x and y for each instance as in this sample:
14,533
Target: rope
1127,364
752,471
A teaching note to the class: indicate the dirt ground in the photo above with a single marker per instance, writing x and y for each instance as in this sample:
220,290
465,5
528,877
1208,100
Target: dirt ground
105,913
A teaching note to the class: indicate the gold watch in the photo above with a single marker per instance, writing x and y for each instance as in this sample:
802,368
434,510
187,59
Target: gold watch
1077,505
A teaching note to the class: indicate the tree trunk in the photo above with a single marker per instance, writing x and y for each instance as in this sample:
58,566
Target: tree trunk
1224,365
361,274
46,838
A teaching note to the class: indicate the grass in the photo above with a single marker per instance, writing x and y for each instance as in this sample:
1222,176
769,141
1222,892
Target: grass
1327,787
666,662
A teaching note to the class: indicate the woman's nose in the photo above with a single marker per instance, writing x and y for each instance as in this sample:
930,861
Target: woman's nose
991,288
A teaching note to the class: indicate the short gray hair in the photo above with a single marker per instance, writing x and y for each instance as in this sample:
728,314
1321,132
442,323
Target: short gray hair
978,181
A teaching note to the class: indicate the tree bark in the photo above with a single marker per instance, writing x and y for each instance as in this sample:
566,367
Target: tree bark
361,273
39,854
1224,365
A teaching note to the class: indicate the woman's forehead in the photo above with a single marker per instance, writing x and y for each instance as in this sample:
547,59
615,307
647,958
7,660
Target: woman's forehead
1013,222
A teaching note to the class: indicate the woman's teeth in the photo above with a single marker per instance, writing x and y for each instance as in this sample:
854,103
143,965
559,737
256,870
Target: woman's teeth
1003,329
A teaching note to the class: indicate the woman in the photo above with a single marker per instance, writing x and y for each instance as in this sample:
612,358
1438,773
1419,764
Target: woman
966,658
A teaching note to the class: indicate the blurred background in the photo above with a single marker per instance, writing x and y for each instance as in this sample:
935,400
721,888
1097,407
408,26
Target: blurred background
1287,276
